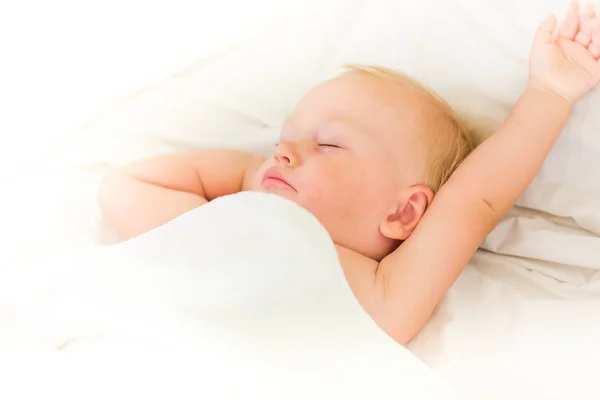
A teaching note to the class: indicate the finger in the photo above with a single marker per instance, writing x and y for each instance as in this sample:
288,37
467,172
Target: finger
595,31
544,32
570,24
589,12
594,51
584,36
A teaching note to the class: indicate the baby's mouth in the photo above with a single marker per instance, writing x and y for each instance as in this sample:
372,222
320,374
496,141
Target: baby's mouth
274,178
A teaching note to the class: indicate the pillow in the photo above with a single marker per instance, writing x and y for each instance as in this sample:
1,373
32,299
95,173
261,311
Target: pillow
235,95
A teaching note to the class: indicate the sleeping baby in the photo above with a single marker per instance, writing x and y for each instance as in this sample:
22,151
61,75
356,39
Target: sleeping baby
388,168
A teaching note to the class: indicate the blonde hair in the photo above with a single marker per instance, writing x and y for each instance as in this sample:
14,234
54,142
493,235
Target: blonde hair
450,144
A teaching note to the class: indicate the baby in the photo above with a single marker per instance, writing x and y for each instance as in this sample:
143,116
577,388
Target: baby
389,170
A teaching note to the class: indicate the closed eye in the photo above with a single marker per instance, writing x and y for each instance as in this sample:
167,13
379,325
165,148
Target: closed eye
329,145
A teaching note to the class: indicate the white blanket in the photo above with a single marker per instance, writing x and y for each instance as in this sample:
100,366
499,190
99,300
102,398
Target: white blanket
248,290
241,298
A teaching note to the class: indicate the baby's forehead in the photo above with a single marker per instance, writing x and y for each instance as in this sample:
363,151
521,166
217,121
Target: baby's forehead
379,104
358,93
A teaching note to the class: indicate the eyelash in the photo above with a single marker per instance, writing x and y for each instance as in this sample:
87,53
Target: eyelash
319,144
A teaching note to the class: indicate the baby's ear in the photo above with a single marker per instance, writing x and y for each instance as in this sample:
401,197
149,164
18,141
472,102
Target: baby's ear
411,205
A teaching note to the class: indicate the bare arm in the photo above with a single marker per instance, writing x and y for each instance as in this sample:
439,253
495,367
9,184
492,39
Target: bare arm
465,210
142,196
408,284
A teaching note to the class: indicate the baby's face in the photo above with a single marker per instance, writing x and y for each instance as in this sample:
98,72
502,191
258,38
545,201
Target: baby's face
346,152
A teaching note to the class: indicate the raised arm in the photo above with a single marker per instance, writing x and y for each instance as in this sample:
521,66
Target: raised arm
142,196
412,280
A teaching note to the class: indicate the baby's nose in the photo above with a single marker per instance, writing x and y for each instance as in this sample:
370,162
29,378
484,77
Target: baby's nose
287,155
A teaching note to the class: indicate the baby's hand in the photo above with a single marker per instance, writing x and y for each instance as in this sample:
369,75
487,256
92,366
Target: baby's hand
570,64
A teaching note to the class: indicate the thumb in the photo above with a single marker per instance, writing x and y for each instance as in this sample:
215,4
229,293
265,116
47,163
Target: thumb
544,32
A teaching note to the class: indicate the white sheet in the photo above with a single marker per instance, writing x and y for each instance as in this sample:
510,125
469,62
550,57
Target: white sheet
490,342
247,291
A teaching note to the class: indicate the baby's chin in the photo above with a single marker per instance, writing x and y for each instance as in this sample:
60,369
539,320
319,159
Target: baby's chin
288,193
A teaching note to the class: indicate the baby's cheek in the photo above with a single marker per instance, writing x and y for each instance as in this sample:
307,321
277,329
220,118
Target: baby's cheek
331,188
319,193
339,195
314,194
367,190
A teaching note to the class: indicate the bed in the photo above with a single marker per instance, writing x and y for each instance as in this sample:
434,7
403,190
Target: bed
522,321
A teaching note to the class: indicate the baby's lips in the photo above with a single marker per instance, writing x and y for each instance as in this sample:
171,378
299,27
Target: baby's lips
275,175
